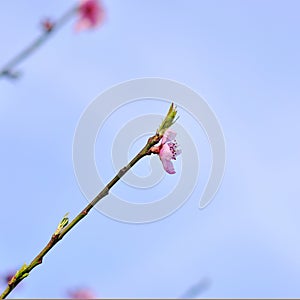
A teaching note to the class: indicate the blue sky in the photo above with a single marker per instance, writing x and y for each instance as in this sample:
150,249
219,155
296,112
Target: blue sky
243,58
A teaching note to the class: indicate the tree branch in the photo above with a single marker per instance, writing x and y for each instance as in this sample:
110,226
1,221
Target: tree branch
24,271
7,70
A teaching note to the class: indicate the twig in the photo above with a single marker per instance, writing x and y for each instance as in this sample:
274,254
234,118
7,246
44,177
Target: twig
7,70
56,237
64,227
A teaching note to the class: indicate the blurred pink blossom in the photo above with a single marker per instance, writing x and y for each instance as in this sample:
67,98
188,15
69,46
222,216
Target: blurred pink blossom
82,293
167,150
8,277
91,14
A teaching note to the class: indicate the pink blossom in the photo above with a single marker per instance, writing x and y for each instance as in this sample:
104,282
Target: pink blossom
82,293
9,276
91,14
167,150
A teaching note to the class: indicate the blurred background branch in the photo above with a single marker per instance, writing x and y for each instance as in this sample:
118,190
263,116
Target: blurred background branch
90,15
198,288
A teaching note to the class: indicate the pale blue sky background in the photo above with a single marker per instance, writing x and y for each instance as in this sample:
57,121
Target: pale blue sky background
243,58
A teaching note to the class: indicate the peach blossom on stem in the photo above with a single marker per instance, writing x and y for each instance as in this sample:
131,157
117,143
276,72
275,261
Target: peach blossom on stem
167,150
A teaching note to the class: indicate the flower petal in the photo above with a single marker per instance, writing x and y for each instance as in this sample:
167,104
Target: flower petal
165,152
178,151
168,166
168,136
